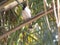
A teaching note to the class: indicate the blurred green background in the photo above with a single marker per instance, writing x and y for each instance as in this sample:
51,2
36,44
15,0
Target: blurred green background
40,34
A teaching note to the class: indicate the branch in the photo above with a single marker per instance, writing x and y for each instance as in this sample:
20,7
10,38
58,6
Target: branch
39,15
55,12
44,1
9,6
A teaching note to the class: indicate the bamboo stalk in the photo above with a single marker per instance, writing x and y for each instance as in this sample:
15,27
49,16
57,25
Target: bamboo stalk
58,12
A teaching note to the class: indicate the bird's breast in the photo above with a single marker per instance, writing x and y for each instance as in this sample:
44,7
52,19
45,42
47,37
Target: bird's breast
26,14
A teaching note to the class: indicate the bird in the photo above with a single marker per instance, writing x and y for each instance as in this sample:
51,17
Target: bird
26,13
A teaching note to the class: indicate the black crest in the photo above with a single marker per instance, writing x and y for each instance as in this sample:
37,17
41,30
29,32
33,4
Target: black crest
24,5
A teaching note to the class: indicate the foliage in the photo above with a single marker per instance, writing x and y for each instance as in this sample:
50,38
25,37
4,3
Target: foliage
40,34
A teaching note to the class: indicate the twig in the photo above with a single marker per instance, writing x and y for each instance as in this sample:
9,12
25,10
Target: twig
44,1
55,13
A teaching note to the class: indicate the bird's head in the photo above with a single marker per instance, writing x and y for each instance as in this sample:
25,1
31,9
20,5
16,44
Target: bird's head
24,5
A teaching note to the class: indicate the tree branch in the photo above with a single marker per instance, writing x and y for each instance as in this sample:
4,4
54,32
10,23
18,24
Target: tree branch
9,6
